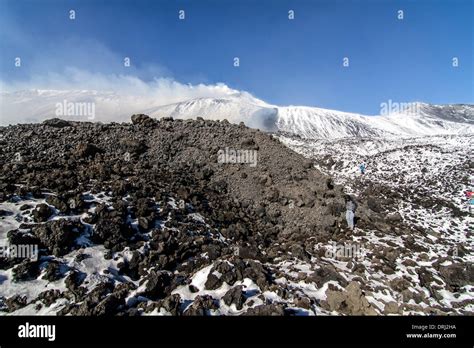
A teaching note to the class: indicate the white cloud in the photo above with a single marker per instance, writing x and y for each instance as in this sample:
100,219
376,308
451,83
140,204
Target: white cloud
115,96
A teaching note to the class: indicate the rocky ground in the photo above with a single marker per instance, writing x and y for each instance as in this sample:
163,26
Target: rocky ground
418,185
141,218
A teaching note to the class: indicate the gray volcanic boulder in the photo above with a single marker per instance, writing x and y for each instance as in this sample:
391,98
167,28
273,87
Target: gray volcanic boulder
58,236
57,123
27,270
86,150
57,202
142,119
171,304
158,285
42,212
201,306
234,296
351,301
133,146
111,232
274,309
457,275
17,237
325,274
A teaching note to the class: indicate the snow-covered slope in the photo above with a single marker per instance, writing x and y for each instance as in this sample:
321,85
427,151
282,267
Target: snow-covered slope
321,123
311,122
455,112
235,106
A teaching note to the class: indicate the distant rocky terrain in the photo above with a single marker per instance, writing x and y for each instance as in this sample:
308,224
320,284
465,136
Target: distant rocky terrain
421,182
142,218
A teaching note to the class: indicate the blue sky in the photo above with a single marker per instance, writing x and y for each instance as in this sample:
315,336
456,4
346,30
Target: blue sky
282,61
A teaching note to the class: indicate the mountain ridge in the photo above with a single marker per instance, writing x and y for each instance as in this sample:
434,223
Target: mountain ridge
304,121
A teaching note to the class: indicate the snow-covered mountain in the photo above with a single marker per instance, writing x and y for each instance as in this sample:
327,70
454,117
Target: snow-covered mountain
305,122
311,122
238,107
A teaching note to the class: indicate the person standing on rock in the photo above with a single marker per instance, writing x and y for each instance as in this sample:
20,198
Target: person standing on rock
362,168
350,211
